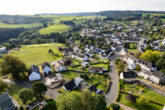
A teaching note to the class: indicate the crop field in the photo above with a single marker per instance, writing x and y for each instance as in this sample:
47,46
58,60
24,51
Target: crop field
37,54
3,25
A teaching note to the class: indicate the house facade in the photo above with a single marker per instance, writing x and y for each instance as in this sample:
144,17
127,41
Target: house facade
46,68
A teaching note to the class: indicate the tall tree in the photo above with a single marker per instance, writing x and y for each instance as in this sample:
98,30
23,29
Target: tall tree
39,89
12,65
26,95
84,100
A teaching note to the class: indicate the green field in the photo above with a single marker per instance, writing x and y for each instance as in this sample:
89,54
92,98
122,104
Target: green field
132,50
57,26
54,28
3,25
37,54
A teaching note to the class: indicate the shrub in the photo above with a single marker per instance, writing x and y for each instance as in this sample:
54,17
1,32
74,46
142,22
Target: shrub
115,106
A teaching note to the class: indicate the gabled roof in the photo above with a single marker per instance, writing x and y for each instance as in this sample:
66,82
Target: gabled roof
129,74
6,102
92,88
158,74
33,68
45,64
108,51
70,85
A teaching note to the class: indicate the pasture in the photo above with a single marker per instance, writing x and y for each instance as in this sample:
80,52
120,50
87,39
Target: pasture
37,54
3,25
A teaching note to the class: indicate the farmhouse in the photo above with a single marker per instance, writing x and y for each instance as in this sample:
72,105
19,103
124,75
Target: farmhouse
46,68
97,69
3,50
34,73
6,102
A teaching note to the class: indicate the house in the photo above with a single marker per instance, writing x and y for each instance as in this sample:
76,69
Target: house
73,84
66,61
145,74
59,66
3,50
88,54
59,76
114,47
98,50
86,58
131,61
157,77
163,42
97,69
128,74
6,102
108,53
34,73
46,68
146,66
93,88
85,64
123,51
77,56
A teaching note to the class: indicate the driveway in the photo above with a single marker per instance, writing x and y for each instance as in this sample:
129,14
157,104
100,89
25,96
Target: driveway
113,89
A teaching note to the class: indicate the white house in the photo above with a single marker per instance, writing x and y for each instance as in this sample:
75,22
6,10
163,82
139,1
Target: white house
59,66
59,76
3,50
34,73
46,68
78,80
123,51
85,64
163,42
157,77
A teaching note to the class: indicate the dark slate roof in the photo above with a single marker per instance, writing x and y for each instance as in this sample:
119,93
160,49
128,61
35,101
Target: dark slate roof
129,74
45,64
114,45
158,74
70,85
33,68
6,102
108,51
92,88
147,64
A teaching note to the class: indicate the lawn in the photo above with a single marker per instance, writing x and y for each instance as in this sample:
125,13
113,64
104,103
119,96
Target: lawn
100,65
163,20
3,25
149,106
132,50
37,54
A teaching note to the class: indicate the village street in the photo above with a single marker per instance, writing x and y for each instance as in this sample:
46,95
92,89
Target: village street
113,89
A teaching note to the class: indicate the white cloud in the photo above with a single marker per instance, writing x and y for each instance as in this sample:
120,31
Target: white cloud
68,6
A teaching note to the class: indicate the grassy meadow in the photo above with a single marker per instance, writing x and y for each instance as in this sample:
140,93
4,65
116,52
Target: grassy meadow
3,25
38,53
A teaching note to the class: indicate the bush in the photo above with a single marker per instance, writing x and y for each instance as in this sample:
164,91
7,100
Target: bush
131,98
115,106
3,86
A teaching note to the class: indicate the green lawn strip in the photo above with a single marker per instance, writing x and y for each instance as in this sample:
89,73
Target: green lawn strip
37,54
104,65
132,50
149,106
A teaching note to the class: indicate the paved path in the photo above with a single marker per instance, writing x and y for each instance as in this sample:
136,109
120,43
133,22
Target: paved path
125,107
113,89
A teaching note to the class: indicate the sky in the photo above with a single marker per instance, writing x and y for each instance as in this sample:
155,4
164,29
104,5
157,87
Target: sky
72,6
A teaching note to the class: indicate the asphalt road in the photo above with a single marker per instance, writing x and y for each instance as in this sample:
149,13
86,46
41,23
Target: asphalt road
113,89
